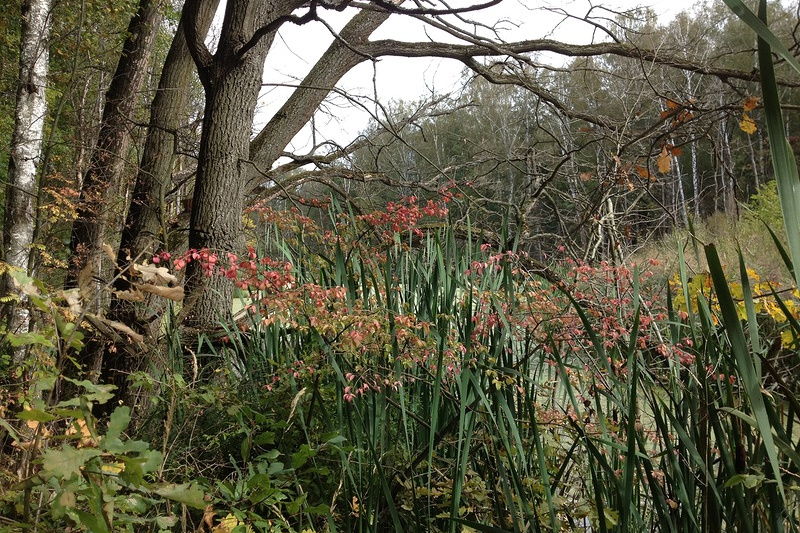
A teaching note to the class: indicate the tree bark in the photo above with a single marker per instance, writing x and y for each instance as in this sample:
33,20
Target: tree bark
231,80
145,232
100,197
145,229
26,149
342,55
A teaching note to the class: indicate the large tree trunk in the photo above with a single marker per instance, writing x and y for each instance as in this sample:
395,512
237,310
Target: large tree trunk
101,199
232,80
26,148
145,227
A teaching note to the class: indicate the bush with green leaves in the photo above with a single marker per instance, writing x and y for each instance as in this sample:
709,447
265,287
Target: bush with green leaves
97,481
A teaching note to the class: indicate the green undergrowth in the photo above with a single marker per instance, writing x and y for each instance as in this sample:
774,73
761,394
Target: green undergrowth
385,377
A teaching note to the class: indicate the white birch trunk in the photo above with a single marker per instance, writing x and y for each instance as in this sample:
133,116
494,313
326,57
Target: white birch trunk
26,149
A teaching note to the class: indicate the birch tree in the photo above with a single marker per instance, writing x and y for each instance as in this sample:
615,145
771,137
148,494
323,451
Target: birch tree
26,147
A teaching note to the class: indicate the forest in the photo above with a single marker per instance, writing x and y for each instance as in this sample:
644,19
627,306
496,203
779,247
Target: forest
244,288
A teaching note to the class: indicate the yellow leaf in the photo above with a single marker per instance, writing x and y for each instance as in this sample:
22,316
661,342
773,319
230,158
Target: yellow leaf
113,468
748,125
226,525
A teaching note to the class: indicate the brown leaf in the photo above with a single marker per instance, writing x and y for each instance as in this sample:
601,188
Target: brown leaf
750,103
119,326
157,274
109,253
664,161
643,172
585,176
133,295
72,297
86,282
175,294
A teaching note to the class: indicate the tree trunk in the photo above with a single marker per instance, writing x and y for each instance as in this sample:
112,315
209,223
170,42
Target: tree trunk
342,55
695,182
145,229
100,198
231,80
26,148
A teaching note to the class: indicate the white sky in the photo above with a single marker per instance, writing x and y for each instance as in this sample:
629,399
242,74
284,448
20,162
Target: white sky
297,48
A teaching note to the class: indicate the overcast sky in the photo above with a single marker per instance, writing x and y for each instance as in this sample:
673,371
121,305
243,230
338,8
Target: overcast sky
297,48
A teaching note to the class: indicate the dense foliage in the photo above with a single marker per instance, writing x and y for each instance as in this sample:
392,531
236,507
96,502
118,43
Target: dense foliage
424,383
449,325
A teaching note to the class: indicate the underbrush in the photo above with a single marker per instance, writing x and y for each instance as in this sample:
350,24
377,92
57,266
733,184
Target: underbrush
381,376
749,232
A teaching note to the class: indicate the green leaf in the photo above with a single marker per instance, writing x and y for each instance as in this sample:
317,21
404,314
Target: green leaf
151,460
36,415
166,522
190,494
267,437
321,509
758,26
11,431
118,422
67,461
750,481
302,456
611,517
294,506
62,502
744,359
94,392
31,337
132,474
95,524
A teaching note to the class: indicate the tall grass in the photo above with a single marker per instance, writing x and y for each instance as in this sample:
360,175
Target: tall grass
466,393
413,378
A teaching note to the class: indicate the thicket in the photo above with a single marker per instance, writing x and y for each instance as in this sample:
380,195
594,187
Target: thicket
398,369
382,375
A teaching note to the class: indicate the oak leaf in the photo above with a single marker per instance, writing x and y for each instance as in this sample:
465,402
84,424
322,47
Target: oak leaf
750,103
153,273
175,294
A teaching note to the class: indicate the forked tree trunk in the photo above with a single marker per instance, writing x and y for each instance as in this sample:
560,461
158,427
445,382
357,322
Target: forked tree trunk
144,232
231,80
26,149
